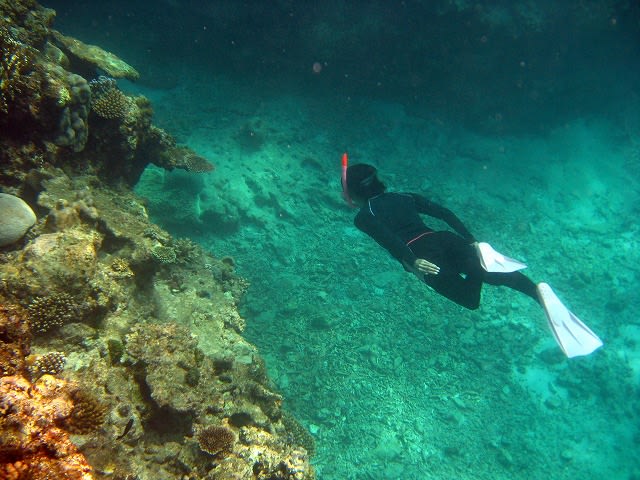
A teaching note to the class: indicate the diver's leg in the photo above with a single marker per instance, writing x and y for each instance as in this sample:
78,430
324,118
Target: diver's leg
515,280
469,263
455,281
465,291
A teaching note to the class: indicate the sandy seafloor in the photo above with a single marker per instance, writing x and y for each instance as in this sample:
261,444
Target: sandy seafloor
392,380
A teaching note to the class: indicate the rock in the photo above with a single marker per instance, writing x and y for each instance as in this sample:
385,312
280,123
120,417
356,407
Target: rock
16,217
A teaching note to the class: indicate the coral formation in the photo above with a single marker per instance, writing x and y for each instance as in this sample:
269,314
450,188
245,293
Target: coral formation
31,442
149,322
163,254
167,154
24,102
29,21
190,161
16,70
51,363
107,101
91,58
121,268
87,414
73,127
46,106
299,434
216,440
15,340
46,313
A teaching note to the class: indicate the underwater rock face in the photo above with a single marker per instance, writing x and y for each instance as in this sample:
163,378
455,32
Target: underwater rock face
16,217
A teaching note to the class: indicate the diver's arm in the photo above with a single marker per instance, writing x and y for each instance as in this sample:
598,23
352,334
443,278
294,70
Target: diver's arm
385,238
438,211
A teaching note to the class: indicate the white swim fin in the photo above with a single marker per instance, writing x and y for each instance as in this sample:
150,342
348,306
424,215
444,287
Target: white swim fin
573,336
493,261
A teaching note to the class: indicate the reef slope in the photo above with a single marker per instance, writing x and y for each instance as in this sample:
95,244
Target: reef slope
121,347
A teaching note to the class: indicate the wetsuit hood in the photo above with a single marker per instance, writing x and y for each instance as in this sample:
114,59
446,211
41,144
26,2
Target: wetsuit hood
362,181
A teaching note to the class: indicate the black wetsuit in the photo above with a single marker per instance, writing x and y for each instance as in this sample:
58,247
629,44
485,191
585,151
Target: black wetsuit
393,220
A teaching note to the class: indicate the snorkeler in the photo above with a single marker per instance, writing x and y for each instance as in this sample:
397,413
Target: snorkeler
453,264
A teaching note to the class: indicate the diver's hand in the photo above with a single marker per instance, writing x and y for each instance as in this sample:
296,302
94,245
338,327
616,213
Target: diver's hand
424,267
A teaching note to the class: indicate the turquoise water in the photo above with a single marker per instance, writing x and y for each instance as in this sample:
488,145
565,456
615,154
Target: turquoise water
538,153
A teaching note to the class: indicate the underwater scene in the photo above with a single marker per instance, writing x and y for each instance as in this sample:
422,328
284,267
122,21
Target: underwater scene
337,240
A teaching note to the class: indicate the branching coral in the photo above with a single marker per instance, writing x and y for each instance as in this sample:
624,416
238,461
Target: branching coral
52,311
16,67
164,255
191,161
216,440
51,363
107,100
87,414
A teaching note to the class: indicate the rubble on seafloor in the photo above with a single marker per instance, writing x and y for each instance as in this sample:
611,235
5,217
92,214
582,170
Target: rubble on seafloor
121,348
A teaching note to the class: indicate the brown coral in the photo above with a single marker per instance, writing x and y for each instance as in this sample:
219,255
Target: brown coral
120,268
51,363
17,76
164,255
15,340
163,151
13,471
193,162
52,311
112,105
87,414
107,100
216,440
31,444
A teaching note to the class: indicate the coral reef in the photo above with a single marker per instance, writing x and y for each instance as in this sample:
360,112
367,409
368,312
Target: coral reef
155,372
55,109
16,64
21,80
15,340
299,434
31,442
163,254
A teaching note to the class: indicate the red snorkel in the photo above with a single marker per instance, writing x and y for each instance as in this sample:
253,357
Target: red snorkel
345,190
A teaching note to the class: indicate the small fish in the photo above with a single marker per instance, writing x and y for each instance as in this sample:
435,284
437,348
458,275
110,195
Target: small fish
126,429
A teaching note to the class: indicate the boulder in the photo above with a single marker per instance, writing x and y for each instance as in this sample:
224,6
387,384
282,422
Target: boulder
16,217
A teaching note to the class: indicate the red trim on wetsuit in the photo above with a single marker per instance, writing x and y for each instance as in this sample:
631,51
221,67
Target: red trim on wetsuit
418,237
